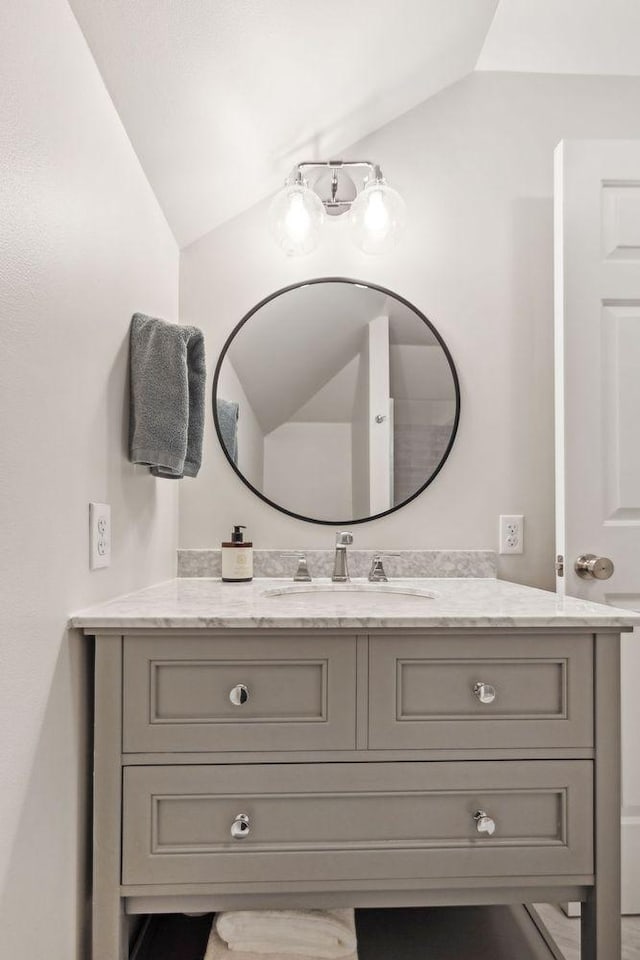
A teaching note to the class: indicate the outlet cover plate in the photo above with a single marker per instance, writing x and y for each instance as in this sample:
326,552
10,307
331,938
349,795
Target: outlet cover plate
99,535
511,533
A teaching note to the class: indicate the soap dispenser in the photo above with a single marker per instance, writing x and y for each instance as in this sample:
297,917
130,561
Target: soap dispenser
237,558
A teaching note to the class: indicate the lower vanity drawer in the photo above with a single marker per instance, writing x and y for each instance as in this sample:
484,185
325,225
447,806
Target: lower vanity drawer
352,821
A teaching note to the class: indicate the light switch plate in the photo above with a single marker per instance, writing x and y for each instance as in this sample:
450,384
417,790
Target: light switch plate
99,535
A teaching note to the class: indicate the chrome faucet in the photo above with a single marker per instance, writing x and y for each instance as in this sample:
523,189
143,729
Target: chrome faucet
302,574
377,572
340,567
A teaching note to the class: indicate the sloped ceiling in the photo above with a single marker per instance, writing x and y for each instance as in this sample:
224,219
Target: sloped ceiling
221,97
564,36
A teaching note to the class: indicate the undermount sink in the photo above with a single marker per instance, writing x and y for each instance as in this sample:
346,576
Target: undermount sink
331,589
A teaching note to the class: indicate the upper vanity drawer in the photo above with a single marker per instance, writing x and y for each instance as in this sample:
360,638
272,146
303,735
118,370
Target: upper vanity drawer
520,691
240,692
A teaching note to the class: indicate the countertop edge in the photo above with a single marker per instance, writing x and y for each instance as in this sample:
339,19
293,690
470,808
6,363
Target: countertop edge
89,624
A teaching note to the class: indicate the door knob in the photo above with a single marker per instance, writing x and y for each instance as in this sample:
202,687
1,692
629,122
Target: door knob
590,567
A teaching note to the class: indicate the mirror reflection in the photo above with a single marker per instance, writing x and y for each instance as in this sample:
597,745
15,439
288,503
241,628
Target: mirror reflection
336,401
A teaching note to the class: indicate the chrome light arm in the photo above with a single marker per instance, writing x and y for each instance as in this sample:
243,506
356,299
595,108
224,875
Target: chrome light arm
338,198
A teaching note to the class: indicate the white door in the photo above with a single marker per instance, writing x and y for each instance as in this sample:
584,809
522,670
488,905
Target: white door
597,310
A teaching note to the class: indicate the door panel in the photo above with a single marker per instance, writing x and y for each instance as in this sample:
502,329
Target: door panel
620,366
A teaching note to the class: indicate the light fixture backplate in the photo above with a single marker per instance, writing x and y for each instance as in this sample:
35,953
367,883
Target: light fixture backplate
344,196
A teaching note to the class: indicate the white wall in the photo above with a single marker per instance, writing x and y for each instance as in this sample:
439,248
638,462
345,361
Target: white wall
250,435
310,463
82,246
475,165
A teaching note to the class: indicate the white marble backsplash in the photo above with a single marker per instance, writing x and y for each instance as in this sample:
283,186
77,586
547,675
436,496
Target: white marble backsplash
408,563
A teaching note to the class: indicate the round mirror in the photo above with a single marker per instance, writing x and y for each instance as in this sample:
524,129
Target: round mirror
336,401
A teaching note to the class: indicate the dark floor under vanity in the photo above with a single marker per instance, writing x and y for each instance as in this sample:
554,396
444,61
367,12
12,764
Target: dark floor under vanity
436,933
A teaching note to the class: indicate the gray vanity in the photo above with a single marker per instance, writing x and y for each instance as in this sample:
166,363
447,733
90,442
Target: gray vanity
259,747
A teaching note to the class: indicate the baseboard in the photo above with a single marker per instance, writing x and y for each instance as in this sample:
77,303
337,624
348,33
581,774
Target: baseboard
630,865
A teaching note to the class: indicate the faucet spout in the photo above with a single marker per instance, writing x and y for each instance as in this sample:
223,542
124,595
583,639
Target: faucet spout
340,565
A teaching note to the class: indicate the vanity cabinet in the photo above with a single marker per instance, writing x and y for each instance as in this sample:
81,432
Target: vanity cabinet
325,767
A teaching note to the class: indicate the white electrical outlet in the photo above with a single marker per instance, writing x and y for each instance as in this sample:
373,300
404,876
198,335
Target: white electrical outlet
511,534
99,535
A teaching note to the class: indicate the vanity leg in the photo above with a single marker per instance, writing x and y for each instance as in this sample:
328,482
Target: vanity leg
109,929
600,925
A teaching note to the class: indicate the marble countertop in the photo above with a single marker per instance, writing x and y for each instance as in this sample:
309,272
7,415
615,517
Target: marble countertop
477,602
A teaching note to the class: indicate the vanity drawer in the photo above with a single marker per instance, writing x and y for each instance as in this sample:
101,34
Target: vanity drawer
299,693
424,692
355,821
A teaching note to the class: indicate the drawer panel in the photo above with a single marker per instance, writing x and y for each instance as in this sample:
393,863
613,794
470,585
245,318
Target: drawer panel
424,693
353,821
297,695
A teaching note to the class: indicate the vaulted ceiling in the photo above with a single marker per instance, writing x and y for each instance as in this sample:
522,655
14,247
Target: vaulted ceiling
221,97
564,36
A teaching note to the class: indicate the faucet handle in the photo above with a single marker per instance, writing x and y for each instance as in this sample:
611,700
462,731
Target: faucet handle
302,574
376,573
344,539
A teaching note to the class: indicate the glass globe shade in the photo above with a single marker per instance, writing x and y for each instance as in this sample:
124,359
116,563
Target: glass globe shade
377,217
296,216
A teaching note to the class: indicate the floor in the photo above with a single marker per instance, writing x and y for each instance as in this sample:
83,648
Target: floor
566,932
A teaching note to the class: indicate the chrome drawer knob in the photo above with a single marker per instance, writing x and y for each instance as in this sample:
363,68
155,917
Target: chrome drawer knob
484,692
240,827
239,695
484,824
590,567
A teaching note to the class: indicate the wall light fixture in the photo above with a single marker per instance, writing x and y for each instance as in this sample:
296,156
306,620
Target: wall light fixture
313,190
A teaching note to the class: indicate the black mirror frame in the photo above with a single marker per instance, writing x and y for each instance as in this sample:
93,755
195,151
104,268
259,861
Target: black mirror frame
360,283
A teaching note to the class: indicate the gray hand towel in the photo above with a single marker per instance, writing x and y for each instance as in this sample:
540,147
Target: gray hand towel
168,376
227,415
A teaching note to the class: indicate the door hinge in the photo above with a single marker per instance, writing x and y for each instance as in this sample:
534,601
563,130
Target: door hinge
560,565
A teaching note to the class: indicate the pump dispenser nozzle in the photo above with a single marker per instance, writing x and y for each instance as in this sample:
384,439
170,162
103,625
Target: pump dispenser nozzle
237,536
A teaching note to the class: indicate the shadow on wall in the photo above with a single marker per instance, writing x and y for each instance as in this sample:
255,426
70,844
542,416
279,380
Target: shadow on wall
55,826
529,386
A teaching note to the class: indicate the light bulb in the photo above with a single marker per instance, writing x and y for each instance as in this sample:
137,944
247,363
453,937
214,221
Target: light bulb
296,215
377,217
